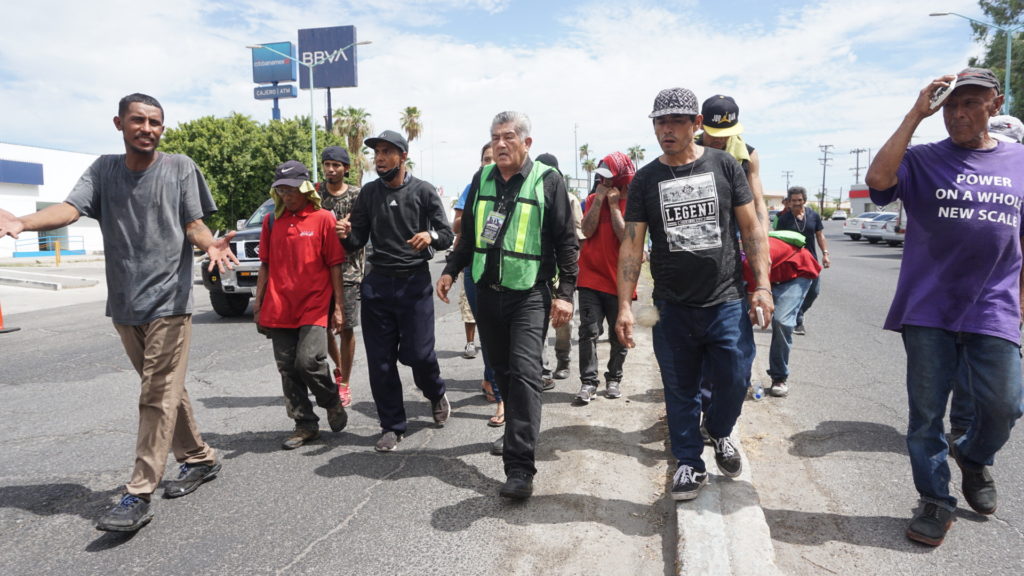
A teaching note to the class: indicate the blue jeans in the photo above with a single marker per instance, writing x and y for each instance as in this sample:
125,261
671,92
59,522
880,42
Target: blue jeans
470,287
788,297
991,367
716,343
812,295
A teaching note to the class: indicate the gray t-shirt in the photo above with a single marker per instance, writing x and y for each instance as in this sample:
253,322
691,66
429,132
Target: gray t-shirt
688,210
142,216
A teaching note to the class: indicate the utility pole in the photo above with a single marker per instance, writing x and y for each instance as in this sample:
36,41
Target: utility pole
787,174
824,166
856,169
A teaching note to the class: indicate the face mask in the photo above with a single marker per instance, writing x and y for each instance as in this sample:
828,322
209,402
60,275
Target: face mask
389,175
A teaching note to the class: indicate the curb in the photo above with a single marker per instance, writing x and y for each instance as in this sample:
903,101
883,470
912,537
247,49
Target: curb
42,281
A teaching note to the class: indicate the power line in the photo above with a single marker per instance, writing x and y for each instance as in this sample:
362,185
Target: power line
856,169
787,174
824,166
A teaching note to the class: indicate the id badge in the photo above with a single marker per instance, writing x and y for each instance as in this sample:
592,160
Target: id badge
492,227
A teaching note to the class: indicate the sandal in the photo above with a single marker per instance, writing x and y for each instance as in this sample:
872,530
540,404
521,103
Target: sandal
498,420
488,389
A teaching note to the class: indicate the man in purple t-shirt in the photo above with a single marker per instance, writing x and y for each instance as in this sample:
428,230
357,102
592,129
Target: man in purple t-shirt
957,302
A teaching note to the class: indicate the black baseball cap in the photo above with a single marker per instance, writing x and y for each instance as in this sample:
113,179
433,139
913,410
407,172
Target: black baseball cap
391,137
977,77
721,116
336,154
291,173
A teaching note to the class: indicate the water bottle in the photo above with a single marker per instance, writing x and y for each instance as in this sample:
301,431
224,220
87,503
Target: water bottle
756,391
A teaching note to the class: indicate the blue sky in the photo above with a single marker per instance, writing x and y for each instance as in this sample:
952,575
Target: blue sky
804,73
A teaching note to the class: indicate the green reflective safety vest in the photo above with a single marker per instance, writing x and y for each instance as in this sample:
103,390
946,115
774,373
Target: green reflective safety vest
520,256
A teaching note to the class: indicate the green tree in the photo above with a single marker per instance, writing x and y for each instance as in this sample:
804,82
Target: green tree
237,156
636,154
1005,13
353,126
411,123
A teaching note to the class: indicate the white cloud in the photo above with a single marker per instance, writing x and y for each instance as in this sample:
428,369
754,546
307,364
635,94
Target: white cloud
804,74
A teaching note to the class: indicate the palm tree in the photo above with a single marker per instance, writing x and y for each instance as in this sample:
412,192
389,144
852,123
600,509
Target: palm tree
589,166
353,124
636,154
409,165
411,123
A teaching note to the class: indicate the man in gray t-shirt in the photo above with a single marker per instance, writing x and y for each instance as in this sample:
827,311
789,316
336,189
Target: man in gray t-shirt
150,207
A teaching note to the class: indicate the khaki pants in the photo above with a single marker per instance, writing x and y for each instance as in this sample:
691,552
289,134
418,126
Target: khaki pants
159,353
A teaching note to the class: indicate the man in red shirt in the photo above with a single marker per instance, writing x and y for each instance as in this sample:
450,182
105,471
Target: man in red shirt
603,227
301,268
793,270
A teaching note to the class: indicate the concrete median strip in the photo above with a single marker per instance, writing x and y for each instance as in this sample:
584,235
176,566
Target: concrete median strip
42,281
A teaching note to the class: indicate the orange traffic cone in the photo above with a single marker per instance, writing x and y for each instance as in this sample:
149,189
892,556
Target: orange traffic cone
2,329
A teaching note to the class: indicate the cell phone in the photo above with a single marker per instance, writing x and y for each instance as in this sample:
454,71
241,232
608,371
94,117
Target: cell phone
760,317
941,93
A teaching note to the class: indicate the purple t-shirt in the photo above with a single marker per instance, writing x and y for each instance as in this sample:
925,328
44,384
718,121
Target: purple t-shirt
962,253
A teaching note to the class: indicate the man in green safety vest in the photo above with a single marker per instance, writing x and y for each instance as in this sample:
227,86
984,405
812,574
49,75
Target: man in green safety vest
517,229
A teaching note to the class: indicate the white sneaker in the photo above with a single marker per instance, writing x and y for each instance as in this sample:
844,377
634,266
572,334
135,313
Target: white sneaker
470,352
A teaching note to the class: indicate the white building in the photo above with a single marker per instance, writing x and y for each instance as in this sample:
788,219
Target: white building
34,178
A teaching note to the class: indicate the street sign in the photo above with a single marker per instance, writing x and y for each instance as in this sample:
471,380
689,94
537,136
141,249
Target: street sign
322,48
269,66
271,92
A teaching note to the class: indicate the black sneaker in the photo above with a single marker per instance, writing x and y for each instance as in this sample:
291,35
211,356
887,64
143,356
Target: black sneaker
190,477
704,436
800,330
337,418
727,457
547,383
498,446
128,515
388,441
442,410
561,370
930,524
687,482
978,486
518,486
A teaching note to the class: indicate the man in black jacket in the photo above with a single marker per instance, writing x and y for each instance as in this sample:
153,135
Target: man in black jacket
405,219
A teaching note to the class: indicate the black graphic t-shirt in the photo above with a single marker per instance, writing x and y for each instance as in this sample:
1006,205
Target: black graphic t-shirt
688,209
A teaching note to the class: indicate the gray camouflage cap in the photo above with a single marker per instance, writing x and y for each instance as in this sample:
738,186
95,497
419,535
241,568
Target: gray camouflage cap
675,101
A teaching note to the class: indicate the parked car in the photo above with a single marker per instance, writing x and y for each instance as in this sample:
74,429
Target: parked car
839,215
230,291
872,229
852,226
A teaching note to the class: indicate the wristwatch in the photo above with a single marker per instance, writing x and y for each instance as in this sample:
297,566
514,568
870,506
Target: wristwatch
433,236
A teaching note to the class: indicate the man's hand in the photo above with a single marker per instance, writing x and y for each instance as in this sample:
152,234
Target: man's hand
761,299
624,327
420,241
220,253
923,106
256,305
561,313
444,284
613,197
826,261
10,225
337,320
343,227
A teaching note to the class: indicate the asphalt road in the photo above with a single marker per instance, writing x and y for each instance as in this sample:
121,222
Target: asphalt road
67,430
830,461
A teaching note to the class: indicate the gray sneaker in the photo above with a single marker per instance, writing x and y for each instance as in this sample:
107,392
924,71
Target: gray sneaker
612,390
388,441
586,394
779,389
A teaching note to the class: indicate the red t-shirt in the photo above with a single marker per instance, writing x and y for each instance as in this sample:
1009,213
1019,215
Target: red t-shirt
599,255
788,262
300,251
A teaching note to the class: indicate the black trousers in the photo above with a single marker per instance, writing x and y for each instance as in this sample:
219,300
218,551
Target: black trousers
511,326
398,326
